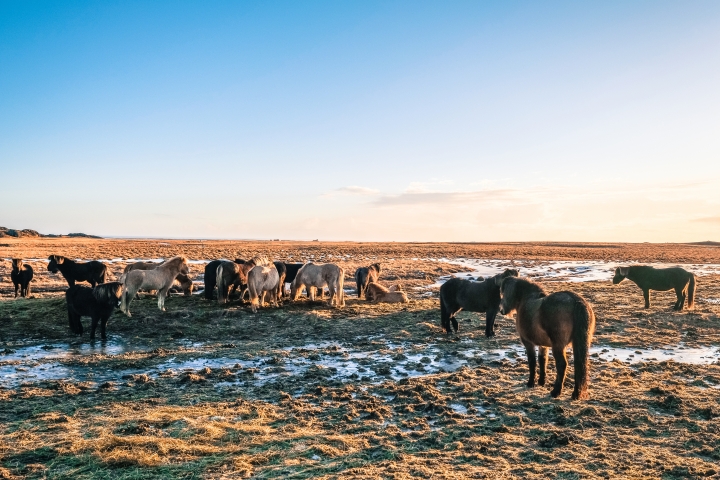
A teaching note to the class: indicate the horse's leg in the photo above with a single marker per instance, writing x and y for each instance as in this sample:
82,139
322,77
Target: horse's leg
27,290
561,366
490,323
17,287
646,294
543,354
162,293
103,324
532,361
93,326
680,293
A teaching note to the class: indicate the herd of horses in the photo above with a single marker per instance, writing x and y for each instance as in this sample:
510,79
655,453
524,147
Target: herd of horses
546,321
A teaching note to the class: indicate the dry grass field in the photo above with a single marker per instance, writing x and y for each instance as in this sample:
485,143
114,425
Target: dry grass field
366,391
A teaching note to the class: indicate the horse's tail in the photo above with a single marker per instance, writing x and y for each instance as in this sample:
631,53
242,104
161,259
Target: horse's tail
103,275
220,282
123,297
691,291
583,323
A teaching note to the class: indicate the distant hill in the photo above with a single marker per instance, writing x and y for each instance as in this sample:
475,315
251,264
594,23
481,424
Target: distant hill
706,242
11,232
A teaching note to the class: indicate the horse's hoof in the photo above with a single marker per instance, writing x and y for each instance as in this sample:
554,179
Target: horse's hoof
580,395
530,384
555,393
541,382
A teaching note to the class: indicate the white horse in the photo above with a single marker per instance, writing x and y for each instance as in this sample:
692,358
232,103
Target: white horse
320,275
262,280
160,278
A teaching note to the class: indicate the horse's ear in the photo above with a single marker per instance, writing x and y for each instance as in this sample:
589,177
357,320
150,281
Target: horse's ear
624,271
59,259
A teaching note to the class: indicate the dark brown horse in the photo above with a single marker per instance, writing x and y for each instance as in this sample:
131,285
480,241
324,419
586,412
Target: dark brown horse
661,279
459,294
554,321
21,276
366,275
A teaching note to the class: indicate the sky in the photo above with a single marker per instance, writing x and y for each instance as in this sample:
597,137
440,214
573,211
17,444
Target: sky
362,120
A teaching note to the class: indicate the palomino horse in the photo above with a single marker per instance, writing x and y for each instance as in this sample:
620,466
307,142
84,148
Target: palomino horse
261,280
554,321
376,293
160,278
319,275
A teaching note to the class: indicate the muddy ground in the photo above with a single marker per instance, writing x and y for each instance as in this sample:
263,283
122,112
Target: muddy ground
367,391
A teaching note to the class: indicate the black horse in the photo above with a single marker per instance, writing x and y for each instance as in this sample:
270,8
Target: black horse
21,276
93,272
282,272
291,270
98,303
458,294
211,276
649,278
365,275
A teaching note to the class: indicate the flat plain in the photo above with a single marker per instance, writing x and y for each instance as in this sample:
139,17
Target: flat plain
364,391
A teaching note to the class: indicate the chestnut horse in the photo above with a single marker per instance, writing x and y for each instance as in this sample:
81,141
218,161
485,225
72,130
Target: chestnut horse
554,321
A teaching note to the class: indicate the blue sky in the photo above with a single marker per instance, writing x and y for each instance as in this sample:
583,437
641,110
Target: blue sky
470,121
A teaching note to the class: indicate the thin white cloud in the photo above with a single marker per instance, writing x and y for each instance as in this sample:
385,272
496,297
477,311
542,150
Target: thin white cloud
352,190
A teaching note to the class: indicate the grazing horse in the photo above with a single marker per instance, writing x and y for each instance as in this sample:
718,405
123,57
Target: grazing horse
211,276
319,275
21,276
160,278
98,303
185,283
263,279
554,321
365,275
376,293
459,294
661,279
93,272
282,273
233,274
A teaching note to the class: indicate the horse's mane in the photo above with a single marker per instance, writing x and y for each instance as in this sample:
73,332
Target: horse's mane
107,291
378,287
174,261
526,288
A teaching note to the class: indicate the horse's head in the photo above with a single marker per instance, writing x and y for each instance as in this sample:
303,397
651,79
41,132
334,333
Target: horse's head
509,272
508,299
620,274
55,260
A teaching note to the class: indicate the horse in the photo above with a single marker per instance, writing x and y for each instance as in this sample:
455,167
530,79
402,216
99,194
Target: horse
21,276
211,276
160,278
263,279
365,275
319,275
93,272
233,274
554,321
282,273
661,279
376,293
185,283
459,294
98,303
